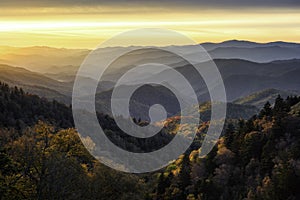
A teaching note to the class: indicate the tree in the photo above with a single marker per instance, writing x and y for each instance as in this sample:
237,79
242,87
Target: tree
184,176
229,135
162,184
266,111
281,108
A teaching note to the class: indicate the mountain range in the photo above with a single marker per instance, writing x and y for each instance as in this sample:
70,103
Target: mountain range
253,73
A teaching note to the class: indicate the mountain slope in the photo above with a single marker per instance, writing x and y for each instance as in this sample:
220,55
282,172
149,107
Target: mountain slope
258,99
257,54
40,58
246,44
254,159
234,111
19,110
36,83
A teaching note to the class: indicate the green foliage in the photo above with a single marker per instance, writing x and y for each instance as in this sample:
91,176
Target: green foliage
259,159
266,111
43,161
42,157
19,110
184,178
47,164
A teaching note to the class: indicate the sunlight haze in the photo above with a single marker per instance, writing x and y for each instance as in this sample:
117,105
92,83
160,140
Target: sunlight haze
87,26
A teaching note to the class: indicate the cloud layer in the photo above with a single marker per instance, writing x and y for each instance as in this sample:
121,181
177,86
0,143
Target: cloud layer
171,3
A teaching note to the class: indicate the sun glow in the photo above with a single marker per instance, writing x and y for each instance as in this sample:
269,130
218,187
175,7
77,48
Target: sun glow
87,30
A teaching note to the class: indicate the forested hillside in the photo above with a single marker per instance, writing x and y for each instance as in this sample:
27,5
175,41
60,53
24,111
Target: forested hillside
255,159
42,157
19,109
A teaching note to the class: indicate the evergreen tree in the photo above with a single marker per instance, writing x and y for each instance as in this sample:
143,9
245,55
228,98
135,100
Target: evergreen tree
266,111
184,176
281,108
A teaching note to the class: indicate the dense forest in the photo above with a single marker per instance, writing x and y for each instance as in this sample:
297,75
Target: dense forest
255,159
42,157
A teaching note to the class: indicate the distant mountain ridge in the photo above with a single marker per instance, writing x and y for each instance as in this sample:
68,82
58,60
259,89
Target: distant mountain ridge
258,99
35,83
241,78
246,44
257,54
51,72
42,59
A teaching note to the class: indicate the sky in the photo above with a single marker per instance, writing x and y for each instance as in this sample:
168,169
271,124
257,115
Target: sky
86,23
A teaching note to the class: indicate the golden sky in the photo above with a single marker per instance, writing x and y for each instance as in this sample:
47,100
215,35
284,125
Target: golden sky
87,26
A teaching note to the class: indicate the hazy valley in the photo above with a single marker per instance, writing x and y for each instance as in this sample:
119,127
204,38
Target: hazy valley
256,157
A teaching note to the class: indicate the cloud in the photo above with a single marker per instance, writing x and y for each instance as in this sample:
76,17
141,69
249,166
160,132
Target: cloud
170,3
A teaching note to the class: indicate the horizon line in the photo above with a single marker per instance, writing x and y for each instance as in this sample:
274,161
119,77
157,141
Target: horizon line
208,42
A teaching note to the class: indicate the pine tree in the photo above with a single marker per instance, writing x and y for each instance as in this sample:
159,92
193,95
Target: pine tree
161,186
266,111
281,108
184,176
